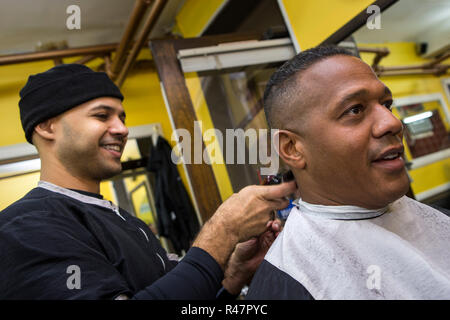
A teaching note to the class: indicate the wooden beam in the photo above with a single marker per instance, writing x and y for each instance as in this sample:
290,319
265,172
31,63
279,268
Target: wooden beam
201,176
153,16
139,10
57,54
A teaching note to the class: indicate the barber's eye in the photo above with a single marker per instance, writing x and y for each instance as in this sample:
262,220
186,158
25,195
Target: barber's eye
102,116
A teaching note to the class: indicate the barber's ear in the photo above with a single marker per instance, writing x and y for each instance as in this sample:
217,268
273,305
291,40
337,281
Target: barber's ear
291,149
46,129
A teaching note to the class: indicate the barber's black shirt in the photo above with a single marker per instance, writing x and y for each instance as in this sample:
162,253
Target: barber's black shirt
71,245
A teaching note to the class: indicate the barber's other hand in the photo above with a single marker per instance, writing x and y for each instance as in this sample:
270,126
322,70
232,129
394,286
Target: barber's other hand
247,257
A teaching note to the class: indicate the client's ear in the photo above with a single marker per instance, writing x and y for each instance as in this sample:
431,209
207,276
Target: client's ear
46,129
290,149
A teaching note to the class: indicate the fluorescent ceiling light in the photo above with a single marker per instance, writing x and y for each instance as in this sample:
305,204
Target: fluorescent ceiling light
20,167
417,117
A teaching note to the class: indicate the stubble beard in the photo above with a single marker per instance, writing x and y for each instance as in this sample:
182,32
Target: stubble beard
82,158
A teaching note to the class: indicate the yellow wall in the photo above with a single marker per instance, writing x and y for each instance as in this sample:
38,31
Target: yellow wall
314,21
14,188
403,53
12,79
195,15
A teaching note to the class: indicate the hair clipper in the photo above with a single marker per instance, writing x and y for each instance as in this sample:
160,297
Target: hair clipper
277,179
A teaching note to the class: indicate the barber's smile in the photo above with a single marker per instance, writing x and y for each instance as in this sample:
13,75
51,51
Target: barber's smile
115,149
391,159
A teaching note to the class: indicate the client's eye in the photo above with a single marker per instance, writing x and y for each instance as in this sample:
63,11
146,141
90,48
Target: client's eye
388,104
356,109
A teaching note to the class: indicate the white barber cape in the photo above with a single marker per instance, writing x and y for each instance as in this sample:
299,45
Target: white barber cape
346,252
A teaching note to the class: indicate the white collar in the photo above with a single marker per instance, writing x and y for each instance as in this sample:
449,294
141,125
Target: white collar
80,197
338,212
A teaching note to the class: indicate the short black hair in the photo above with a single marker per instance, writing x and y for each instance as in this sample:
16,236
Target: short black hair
282,85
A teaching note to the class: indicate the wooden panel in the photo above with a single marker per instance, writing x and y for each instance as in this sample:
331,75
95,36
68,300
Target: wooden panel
189,43
201,176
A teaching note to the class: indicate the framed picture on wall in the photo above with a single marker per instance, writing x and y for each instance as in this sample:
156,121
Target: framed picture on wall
426,122
426,119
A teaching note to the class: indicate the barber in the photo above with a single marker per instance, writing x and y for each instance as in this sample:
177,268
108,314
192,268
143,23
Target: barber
62,240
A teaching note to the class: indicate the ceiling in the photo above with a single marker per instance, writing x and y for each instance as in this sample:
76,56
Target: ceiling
417,21
26,24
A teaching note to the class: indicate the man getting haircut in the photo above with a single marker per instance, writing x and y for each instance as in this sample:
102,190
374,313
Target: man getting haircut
353,234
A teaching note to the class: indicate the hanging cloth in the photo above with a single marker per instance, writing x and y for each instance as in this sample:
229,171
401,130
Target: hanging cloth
177,219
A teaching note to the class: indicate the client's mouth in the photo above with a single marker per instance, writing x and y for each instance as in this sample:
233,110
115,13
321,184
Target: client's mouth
391,159
391,153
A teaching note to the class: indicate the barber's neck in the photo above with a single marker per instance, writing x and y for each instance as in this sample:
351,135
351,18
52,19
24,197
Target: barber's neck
57,174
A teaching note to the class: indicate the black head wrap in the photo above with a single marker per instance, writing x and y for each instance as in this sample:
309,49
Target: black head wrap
59,89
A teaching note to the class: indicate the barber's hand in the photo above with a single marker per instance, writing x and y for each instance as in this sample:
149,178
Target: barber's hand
246,213
242,216
247,257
